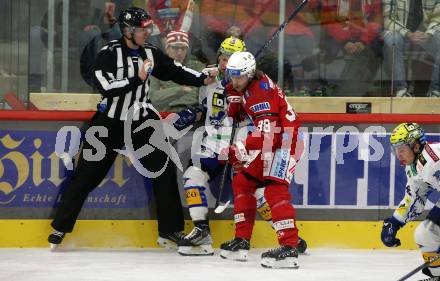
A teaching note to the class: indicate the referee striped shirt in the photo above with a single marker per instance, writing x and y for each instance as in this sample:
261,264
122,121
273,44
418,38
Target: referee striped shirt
116,77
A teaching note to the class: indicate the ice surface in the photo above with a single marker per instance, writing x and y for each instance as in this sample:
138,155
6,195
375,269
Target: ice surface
165,265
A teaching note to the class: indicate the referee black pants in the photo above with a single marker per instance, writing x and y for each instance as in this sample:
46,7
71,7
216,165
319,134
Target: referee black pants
89,174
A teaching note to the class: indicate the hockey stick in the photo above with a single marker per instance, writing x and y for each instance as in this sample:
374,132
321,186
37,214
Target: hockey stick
186,19
281,27
420,267
255,18
219,208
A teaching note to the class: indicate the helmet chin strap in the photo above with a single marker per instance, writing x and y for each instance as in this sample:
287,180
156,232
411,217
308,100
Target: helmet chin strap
132,38
413,145
416,154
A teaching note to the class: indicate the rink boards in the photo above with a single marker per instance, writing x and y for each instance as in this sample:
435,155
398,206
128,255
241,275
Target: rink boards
345,184
143,234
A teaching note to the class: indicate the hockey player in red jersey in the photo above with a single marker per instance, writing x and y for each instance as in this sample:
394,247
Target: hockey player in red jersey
266,157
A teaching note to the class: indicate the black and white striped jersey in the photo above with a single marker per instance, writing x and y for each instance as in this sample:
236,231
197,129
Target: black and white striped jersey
116,77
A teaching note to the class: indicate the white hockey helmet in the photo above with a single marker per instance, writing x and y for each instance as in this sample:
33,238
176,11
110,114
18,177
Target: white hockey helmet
241,63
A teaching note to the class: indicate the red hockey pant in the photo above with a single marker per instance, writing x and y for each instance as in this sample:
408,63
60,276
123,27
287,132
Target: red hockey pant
278,198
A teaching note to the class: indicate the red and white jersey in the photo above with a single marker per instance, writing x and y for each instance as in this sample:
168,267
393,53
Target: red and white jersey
266,105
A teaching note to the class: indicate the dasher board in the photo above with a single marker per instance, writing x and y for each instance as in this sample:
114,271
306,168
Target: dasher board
88,102
65,101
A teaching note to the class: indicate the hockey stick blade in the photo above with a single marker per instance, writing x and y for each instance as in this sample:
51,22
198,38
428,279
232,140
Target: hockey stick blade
420,267
221,208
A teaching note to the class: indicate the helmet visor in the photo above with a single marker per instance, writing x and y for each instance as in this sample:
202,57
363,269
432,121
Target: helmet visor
400,148
232,73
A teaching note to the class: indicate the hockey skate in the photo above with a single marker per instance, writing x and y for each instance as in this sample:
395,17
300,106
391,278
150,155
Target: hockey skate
55,239
197,243
236,249
302,246
169,240
281,257
427,272
431,279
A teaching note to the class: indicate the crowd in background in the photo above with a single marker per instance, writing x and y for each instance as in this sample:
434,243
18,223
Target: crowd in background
331,48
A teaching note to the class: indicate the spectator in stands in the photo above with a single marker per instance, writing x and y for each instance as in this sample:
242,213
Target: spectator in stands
255,21
352,28
80,12
94,37
218,16
173,15
167,95
166,14
411,23
90,26
299,44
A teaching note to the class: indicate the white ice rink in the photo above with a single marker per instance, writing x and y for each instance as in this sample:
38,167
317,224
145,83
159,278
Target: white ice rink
155,264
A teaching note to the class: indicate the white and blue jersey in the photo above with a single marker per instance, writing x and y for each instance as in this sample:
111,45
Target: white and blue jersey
423,176
218,126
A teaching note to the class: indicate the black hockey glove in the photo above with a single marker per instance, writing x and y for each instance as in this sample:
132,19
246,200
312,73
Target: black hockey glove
389,230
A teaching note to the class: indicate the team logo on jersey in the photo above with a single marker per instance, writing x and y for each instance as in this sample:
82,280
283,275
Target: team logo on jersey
264,85
262,106
218,108
218,101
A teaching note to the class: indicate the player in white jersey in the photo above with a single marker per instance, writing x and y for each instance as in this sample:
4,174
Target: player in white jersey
422,168
207,145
